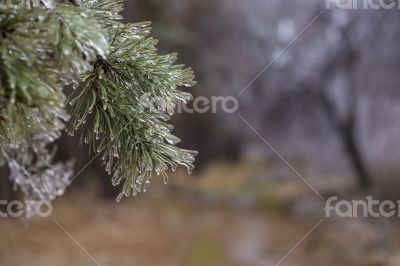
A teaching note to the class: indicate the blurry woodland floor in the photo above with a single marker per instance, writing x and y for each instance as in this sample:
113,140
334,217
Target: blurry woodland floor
232,215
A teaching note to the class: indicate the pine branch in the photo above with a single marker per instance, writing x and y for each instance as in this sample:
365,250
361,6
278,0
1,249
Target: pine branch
116,72
138,140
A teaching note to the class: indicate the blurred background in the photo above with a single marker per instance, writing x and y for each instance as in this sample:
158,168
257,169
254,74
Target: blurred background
329,104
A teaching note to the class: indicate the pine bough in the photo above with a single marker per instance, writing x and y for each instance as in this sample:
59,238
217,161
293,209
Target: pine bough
48,45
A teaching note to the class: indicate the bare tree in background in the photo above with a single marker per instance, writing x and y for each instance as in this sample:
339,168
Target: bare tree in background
325,70
344,122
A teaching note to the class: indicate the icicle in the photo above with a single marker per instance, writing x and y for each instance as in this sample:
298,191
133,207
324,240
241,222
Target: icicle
165,179
146,185
138,184
119,197
108,167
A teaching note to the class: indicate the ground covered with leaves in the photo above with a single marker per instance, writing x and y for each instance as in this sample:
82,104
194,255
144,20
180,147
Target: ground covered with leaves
251,218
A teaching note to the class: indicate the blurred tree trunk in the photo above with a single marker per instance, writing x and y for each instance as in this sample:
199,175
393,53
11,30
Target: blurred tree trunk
353,151
346,132
348,127
346,124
